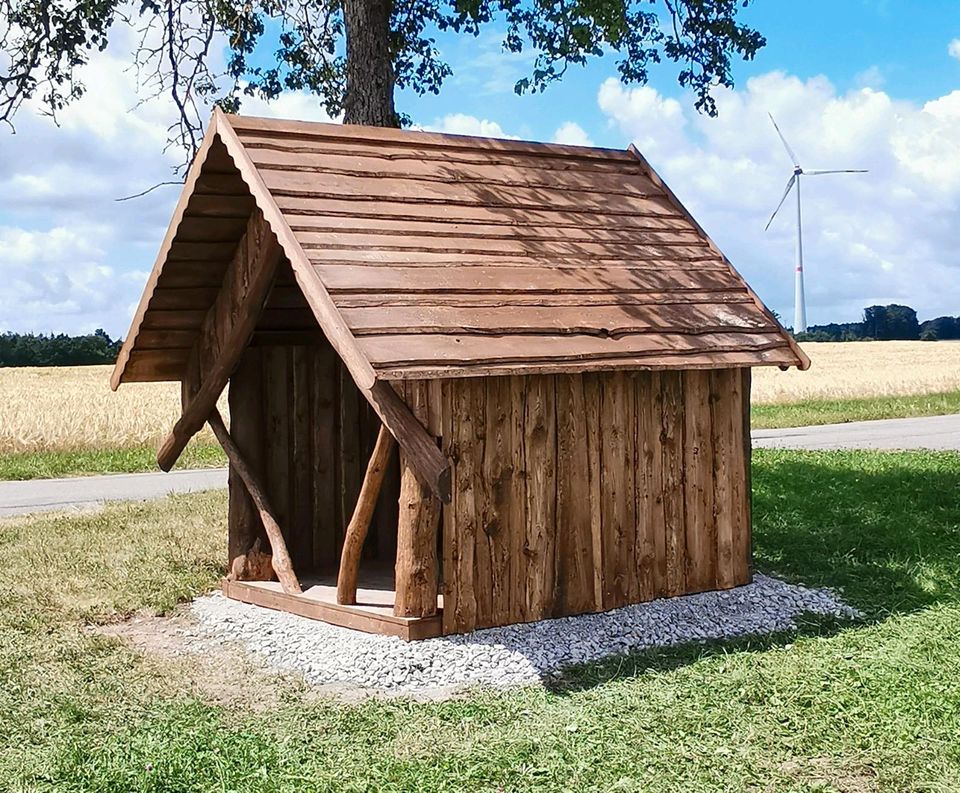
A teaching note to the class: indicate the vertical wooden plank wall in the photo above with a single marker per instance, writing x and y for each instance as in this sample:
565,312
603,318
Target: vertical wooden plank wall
300,421
577,493
245,398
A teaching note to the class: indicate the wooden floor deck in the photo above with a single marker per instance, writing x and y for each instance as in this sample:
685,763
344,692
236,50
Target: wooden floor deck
373,612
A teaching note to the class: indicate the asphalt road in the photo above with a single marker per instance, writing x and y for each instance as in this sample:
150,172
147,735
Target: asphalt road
941,433
18,498
86,492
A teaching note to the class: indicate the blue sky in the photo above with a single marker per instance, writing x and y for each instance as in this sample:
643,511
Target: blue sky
902,44
856,84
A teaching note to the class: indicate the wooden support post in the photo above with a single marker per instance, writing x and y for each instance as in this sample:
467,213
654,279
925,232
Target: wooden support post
416,569
282,565
360,522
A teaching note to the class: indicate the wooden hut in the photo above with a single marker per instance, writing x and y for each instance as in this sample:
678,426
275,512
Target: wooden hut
560,353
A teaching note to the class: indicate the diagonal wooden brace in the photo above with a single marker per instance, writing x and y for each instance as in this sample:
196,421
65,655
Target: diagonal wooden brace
282,565
225,332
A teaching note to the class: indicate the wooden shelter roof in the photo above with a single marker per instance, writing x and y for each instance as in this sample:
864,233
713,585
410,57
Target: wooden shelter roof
423,255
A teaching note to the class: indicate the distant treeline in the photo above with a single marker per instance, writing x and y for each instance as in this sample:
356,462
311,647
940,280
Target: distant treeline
29,349
886,323
880,323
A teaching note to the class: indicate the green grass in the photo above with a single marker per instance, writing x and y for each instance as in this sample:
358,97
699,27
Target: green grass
873,705
837,411
51,465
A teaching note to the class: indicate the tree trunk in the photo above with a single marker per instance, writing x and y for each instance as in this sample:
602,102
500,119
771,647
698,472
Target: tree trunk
369,89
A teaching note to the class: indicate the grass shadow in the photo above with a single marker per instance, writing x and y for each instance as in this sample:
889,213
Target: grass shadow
880,528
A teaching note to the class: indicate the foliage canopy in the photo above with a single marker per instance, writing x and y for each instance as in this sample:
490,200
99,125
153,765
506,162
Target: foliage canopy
273,46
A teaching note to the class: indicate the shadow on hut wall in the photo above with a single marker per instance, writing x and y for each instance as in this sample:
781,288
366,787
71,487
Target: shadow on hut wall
882,528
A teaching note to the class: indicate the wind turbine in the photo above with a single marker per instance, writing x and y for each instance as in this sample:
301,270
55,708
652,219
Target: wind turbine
799,300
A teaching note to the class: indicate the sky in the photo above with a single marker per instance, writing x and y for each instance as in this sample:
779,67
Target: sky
870,84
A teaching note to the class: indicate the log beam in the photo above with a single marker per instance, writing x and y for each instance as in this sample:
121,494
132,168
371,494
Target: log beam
360,522
416,572
282,565
225,332
429,464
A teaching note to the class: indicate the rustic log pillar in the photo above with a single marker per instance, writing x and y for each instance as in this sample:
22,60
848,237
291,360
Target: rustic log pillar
416,568
360,522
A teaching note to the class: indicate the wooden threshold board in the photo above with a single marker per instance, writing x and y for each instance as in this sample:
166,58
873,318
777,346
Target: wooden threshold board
373,612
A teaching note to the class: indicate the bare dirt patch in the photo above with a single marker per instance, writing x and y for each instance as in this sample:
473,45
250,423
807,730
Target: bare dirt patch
834,775
225,673
221,674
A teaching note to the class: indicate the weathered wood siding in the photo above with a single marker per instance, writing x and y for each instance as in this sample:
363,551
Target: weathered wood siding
298,418
586,492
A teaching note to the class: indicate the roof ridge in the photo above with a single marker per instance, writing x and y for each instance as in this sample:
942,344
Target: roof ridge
287,126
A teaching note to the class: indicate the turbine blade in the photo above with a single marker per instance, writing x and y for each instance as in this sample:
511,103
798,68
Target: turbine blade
785,194
846,170
783,140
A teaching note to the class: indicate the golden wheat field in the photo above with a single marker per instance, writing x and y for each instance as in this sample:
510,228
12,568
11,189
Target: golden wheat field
68,408
62,409
863,369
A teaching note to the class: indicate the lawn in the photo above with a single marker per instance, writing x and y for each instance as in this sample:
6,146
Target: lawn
837,411
869,706
86,462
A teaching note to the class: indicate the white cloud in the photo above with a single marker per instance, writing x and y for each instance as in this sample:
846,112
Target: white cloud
871,77
72,257
58,275
655,122
953,49
66,244
462,124
888,235
573,134
292,104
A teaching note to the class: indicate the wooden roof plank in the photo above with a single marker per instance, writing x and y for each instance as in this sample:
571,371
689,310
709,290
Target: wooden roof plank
469,300
296,206
462,349
432,227
412,191
778,356
326,244
531,278
610,320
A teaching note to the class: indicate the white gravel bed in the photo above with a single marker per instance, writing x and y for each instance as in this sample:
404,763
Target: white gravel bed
515,655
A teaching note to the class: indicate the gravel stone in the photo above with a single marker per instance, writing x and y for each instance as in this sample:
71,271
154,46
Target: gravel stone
514,655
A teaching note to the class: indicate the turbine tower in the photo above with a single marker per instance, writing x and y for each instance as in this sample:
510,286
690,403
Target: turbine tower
799,299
